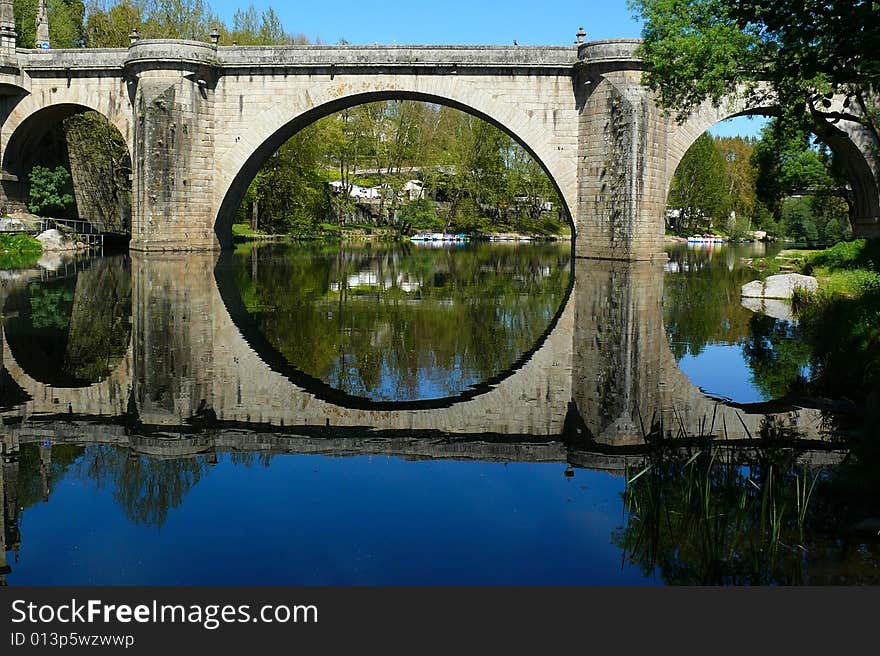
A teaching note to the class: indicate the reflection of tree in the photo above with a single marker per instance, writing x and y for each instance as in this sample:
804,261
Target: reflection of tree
389,322
703,517
50,306
776,355
30,478
702,300
73,331
146,488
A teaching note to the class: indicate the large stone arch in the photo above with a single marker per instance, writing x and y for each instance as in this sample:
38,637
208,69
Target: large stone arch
852,145
268,130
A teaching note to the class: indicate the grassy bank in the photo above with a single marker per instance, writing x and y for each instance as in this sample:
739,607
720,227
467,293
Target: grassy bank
19,251
842,319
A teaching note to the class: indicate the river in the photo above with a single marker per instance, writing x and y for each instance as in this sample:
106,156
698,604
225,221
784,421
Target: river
397,414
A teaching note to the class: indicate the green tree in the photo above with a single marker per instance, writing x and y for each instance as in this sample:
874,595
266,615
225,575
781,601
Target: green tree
49,190
109,24
741,178
699,187
796,54
65,23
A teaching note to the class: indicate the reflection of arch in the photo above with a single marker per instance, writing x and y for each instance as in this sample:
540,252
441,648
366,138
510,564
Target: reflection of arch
268,131
108,397
40,348
851,144
274,360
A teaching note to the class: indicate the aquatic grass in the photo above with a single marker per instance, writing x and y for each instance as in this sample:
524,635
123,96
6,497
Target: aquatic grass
802,497
857,254
703,517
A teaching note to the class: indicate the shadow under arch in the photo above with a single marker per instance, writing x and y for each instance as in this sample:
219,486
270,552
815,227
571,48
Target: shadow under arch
852,159
242,179
21,151
253,335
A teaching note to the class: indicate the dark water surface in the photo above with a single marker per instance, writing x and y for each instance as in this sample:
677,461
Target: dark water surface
388,414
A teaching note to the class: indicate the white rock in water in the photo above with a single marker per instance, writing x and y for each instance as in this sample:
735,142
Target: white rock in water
754,289
779,286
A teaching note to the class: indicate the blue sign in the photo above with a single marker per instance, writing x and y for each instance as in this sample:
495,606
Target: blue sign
44,45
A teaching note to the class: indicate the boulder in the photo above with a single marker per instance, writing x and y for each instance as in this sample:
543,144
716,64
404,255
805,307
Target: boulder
779,286
55,240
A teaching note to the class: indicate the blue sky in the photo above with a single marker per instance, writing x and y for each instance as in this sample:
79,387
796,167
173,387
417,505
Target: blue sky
530,22
541,22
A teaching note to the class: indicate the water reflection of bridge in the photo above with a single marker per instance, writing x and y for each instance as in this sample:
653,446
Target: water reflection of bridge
604,369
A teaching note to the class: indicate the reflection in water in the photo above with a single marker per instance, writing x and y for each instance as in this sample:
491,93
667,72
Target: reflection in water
72,331
710,331
194,453
768,515
403,323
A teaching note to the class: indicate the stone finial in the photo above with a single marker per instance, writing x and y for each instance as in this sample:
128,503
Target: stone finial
7,27
134,37
215,36
580,36
42,41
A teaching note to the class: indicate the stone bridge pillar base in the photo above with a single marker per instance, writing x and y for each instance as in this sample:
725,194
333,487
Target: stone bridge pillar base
189,242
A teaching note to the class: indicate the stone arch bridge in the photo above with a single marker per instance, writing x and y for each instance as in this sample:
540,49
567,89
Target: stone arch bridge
200,119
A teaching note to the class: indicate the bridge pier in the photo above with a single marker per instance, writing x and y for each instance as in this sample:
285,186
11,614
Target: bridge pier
174,146
621,156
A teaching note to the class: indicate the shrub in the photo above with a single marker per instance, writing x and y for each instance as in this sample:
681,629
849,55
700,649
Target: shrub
49,190
858,254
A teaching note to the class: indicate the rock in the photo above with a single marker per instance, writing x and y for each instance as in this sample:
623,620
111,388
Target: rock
754,289
780,286
54,240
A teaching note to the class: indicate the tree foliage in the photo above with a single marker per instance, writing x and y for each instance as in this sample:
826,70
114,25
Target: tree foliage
699,187
65,23
49,190
806,51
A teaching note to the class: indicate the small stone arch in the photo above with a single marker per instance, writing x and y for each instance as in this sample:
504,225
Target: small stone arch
851,144
270,129
26,126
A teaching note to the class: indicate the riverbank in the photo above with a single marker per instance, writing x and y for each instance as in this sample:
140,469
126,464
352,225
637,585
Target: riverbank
360,232
841,320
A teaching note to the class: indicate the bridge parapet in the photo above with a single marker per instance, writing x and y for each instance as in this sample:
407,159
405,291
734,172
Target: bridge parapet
544,57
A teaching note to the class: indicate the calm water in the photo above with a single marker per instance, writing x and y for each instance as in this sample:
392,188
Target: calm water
388,414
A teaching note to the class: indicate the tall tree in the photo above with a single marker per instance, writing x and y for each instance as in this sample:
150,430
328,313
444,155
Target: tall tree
699,187
65,23
808,51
